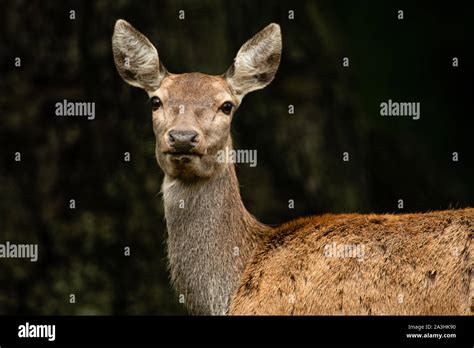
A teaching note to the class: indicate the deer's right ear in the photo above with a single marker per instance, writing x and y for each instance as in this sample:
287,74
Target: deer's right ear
136,58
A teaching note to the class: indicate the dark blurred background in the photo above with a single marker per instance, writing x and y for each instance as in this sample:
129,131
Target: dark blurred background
81,251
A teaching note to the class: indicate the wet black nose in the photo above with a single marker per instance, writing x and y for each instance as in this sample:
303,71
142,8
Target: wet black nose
182,141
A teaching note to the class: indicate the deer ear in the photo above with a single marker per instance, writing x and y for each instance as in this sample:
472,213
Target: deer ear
256,62
136,58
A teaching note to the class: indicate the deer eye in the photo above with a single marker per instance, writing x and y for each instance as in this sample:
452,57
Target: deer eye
155,103
226,108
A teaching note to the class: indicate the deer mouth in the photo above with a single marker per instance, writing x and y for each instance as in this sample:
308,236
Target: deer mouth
177,154
182,157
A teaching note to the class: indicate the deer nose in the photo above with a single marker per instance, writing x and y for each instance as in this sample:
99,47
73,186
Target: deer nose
183,140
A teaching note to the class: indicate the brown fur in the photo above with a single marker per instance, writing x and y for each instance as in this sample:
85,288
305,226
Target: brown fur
414,264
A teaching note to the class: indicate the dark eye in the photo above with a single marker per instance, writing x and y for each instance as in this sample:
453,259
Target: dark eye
155,103
226,108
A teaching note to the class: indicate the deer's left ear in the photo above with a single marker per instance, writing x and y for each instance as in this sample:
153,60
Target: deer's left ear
136,58
256,62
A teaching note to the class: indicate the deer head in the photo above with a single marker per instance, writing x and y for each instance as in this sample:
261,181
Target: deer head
192,112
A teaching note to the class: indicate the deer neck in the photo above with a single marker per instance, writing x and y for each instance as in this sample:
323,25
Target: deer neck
211,236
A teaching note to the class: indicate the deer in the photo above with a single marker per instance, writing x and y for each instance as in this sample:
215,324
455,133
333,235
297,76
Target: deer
223,261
